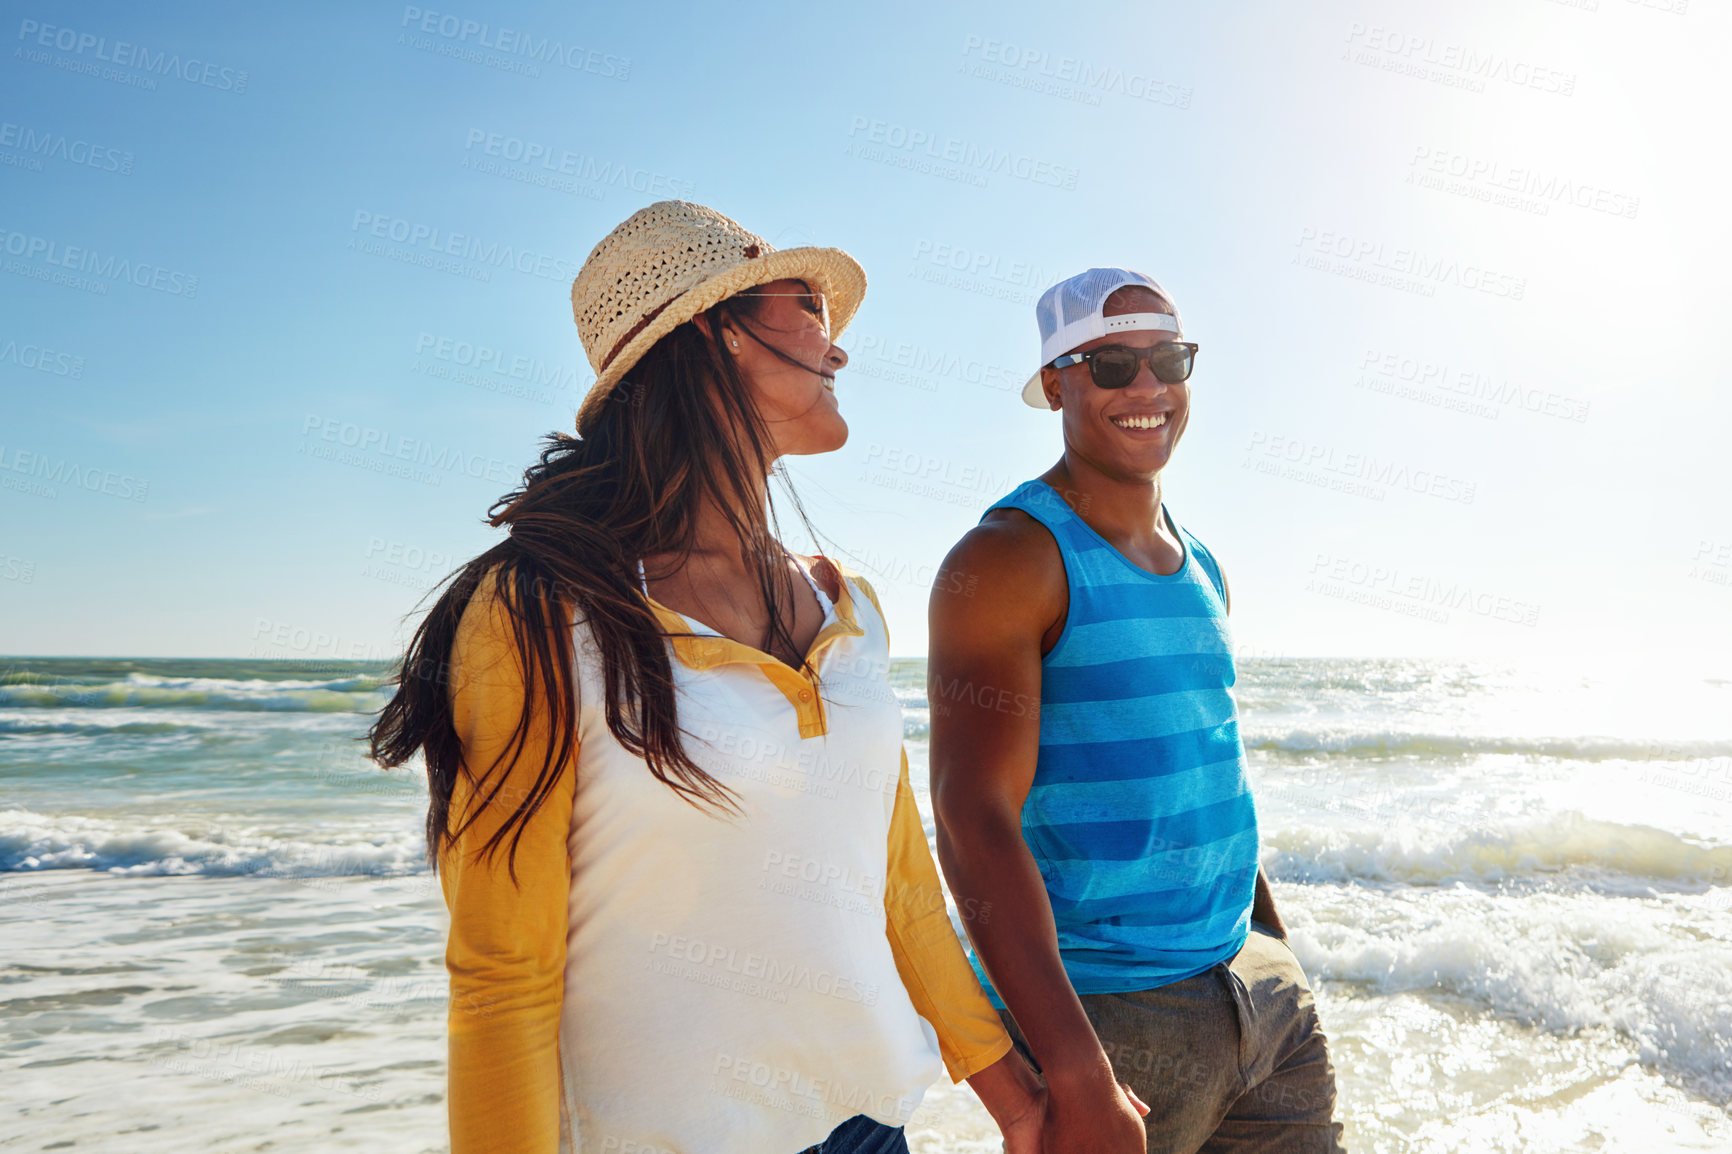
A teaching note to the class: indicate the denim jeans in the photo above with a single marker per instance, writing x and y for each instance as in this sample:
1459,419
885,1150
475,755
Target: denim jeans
1231,1061
862,1135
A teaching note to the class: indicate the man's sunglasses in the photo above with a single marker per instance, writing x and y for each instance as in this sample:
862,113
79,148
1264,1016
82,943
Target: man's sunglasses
1115,366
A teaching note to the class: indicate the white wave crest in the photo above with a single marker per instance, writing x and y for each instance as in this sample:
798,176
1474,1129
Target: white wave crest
1421,853
33,841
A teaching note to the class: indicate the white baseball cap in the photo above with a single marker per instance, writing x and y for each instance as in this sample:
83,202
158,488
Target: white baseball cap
1069,314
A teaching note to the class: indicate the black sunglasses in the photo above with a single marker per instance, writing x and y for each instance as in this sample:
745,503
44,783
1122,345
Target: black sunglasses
1115,366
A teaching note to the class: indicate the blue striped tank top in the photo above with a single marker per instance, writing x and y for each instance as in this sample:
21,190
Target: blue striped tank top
1140,816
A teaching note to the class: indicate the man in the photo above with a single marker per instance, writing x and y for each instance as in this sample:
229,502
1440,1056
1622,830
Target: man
1133,947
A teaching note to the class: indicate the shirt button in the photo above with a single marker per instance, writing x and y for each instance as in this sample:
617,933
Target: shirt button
805,695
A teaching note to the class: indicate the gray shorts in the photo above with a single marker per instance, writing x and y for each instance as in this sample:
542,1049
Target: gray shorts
1230,1060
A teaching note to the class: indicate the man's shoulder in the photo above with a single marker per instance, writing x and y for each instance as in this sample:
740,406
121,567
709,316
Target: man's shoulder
1205,557
1006,546
1003,581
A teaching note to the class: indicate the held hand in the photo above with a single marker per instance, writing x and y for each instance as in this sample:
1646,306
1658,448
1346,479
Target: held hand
1022,1134
1016,1098
1089,1126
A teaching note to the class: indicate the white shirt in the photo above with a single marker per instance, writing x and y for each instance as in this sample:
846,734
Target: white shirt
739,966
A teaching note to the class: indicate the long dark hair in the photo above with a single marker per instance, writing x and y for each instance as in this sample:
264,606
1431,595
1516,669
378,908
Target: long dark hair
682,428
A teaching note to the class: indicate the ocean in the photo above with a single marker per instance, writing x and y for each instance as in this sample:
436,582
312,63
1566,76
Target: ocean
1510,886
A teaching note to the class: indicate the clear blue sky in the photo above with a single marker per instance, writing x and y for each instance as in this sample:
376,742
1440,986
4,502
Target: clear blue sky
1459,275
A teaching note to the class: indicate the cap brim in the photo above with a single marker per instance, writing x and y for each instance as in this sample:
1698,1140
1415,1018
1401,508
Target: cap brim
1033,395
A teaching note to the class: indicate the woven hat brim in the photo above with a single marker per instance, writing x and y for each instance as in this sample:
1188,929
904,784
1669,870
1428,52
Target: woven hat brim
836,274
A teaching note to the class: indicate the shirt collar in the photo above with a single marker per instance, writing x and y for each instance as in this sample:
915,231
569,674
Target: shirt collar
703,651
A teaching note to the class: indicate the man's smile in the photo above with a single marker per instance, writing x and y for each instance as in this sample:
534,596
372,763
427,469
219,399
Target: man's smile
1140,421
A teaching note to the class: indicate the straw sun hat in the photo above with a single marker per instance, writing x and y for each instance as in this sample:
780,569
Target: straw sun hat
669,262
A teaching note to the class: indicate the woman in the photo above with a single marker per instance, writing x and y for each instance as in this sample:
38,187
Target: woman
716,925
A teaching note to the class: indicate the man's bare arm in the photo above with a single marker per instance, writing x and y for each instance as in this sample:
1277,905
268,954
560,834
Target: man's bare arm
1263,901
984,672
1263,905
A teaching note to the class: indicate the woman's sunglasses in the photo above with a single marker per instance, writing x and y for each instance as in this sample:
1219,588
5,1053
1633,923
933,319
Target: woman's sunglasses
812,302
1115,366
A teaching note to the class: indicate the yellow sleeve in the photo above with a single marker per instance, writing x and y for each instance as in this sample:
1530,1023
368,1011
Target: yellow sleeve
929,959
939,980
506,951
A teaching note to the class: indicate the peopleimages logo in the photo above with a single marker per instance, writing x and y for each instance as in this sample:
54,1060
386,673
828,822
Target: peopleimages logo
463,246
557,161
774,975
798,1091
40,359
1350,579
124,54
92,263
1421,54
979,263
1071,77
511,42
45,473
1521,180
1358,474
1423,378
58,146
385,451
919,148
871,355
1368,259
493,362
